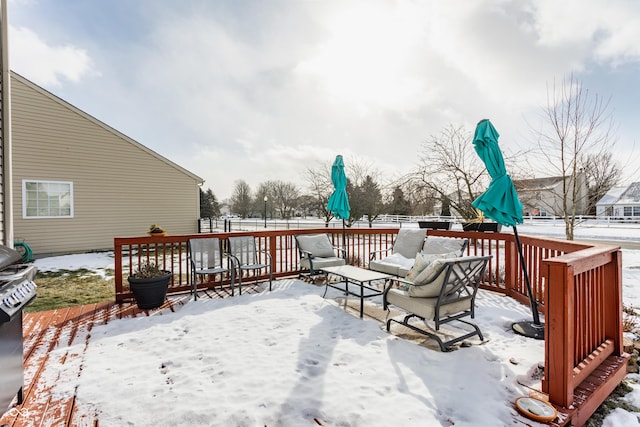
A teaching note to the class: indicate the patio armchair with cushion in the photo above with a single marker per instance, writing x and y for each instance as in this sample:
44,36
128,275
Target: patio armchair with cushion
245,257
440,290
316,251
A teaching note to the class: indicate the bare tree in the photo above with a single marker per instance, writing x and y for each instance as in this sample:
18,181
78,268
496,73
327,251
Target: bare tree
450,169
602,173
579,125
241,199
285,198
320,189
265,189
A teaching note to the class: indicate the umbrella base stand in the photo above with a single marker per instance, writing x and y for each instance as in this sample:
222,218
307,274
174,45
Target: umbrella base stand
529,329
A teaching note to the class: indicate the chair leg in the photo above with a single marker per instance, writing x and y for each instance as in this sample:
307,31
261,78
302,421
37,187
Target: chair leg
233,281
194,282
444,345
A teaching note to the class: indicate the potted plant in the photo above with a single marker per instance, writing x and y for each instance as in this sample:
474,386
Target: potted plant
149,285
482,226
479,224
435,225
156,230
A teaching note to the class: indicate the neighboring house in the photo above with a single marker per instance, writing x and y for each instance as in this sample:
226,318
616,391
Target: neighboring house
620,202
543,196
78,183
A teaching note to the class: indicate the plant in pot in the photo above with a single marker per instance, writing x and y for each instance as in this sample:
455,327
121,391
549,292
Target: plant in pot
149,285
156,230
479,224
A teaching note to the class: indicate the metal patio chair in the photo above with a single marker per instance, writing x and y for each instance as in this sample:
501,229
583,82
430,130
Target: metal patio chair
245,257
206,258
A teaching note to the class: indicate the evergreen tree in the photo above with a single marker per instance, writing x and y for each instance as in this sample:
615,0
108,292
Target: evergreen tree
209,206
399,205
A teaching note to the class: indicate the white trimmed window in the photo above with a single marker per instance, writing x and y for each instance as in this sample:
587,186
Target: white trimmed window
47,199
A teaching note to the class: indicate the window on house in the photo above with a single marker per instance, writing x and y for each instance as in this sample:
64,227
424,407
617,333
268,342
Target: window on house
636,211
47,199
628,211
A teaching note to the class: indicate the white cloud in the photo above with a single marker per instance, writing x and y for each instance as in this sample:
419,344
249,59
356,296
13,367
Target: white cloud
603,30
47,65
266,92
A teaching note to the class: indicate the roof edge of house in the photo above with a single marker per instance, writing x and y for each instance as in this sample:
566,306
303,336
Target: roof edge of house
105,126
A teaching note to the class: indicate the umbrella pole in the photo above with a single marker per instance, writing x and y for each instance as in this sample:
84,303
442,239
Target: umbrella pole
529,329
344,238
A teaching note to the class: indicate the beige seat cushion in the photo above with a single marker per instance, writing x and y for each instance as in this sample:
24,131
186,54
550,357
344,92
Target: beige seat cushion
425,307
319,263
394,264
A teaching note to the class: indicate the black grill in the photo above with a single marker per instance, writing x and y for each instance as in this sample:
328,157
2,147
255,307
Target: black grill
17,290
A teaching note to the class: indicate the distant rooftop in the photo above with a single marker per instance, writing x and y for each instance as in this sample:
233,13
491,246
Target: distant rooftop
632,193
537,183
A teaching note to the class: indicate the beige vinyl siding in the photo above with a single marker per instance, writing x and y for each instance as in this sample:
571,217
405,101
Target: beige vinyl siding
120,187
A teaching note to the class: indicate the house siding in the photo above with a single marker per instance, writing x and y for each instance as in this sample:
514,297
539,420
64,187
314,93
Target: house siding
119,186
6,230
546,195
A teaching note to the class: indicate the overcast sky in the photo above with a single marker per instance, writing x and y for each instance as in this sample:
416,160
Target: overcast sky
261,90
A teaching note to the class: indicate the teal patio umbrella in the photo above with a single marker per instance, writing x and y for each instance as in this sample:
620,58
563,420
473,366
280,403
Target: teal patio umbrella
500,202
339,201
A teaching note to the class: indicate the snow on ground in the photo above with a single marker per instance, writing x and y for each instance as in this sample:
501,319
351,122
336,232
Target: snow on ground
285,357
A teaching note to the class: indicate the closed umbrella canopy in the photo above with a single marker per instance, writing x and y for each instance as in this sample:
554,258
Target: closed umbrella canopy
339,201
500,201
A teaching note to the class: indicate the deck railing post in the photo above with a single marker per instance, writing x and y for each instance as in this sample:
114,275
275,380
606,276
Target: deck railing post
117,253
510,266
613,301
559,339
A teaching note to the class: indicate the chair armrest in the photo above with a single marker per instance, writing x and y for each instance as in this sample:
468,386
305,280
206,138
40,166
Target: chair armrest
231,258
389,285
305,254
268,255
372,255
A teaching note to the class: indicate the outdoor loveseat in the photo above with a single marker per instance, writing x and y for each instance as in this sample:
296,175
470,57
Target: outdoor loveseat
398,259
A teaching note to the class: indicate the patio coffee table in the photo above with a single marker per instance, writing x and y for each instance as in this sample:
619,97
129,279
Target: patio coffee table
358,276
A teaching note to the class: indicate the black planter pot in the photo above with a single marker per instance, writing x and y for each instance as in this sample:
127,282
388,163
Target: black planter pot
150,292
482,226
435,225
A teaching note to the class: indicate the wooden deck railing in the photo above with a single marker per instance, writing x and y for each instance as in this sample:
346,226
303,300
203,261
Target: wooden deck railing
578,288
584,348
170,253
